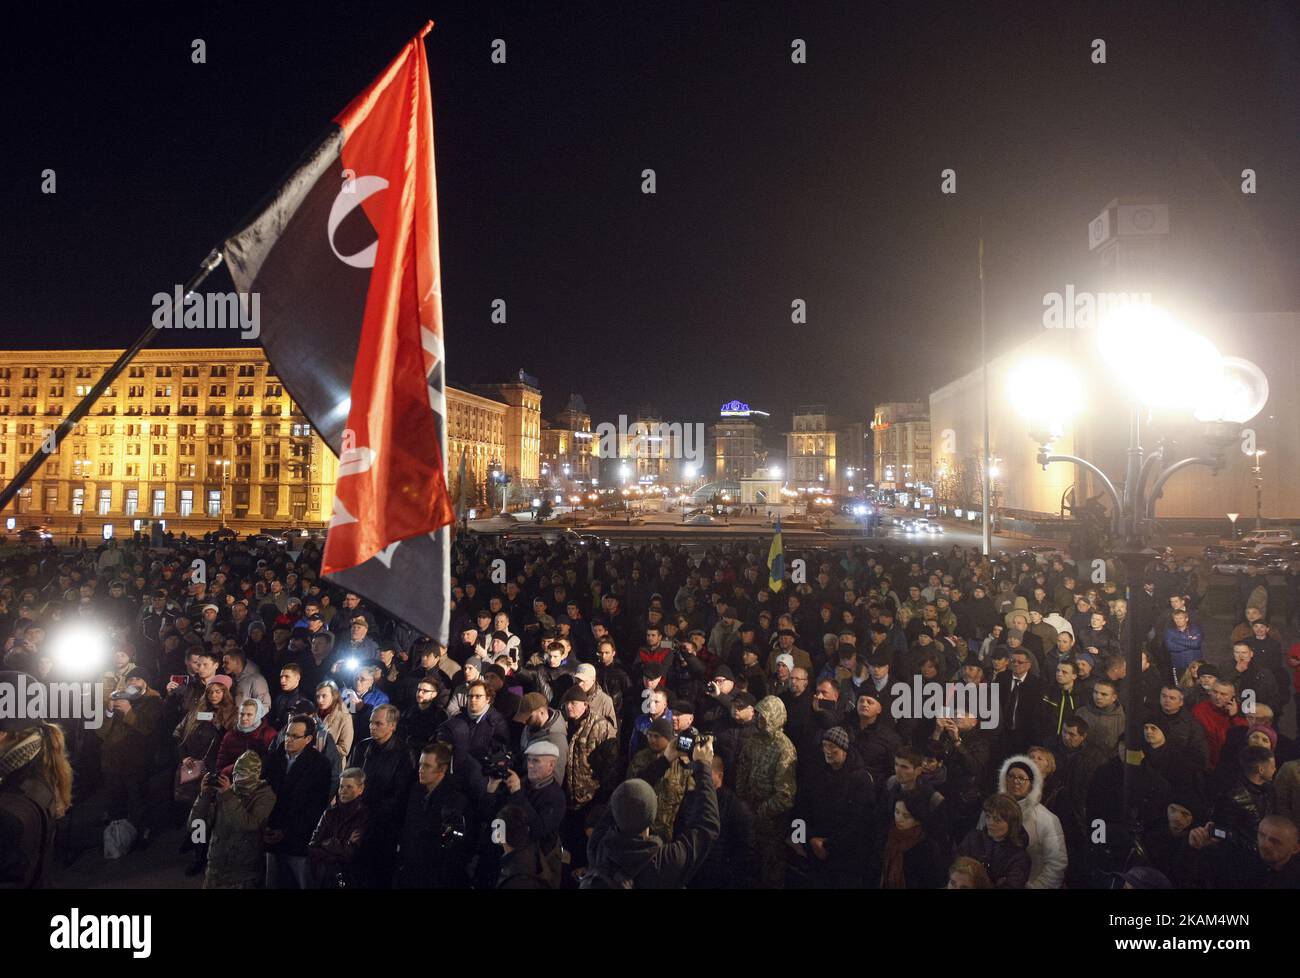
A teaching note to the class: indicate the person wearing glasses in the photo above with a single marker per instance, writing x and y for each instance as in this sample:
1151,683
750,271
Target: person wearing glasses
300,777
1021,778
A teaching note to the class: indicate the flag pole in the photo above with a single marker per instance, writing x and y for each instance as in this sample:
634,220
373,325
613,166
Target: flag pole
24,475
987,529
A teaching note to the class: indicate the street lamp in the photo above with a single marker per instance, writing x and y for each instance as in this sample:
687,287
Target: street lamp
1232,518
1161,365
225,473
1259,490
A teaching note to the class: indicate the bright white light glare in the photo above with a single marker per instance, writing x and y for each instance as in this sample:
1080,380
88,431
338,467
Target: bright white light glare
1238,393
776,472
80,651
1046,392
1157,359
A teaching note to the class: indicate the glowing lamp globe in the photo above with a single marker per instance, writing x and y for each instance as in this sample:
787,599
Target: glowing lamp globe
1047,393
1156,359
1238,393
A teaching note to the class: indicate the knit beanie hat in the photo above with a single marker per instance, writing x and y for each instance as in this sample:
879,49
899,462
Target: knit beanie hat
837,736
634,806
1266,730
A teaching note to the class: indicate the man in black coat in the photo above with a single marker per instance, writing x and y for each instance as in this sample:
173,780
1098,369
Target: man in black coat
874,737
300,777
835,804
1182,732
730,863
419,724
1020,695
438,831
389,775
478,730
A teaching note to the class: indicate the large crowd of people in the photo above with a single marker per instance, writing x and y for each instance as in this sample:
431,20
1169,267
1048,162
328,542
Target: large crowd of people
638,716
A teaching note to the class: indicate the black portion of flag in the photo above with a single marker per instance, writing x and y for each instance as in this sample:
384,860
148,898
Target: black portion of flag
312,303
420,569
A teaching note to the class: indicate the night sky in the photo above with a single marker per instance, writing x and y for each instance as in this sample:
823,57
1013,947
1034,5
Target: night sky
776,181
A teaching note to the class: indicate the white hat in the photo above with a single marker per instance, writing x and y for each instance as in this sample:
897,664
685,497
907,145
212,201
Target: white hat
788,659
586,671
542,748
1059,623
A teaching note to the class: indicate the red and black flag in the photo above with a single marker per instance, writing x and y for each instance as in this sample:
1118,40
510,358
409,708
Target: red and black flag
345,258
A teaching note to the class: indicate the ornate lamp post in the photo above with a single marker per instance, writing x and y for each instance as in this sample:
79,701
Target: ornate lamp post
1160,365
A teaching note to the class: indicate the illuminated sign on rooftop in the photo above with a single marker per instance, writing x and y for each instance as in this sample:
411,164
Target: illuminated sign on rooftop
739,409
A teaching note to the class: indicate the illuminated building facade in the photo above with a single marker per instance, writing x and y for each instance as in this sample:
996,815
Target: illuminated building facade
737,441
810,448
201,438
568,444
901,447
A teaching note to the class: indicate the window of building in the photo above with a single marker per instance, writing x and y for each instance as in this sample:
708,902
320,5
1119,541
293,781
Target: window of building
187,502
51,499
214,502
105,501
132,501
78,501
160,470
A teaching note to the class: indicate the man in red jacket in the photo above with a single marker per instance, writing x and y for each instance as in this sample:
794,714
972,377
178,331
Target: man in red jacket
1219,714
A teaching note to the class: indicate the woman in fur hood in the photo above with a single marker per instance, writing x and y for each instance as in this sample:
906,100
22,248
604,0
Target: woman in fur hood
1020,778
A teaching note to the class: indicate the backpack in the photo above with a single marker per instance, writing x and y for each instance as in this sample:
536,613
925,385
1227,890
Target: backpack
606,878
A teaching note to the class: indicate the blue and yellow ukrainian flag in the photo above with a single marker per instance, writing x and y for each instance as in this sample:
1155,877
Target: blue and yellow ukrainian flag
776,560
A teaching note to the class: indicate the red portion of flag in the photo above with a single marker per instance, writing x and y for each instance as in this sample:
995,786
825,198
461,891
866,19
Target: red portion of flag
392,482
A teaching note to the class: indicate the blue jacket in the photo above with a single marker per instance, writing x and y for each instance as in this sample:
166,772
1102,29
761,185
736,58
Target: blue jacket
1183,646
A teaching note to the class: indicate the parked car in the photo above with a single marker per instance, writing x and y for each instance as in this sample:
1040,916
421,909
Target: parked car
1267,538
34,536
698,519
1238,563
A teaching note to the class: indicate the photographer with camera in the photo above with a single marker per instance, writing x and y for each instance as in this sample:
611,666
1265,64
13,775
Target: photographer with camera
436,840
665,765
686,670
1274,864
538,795
232,813
623,854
